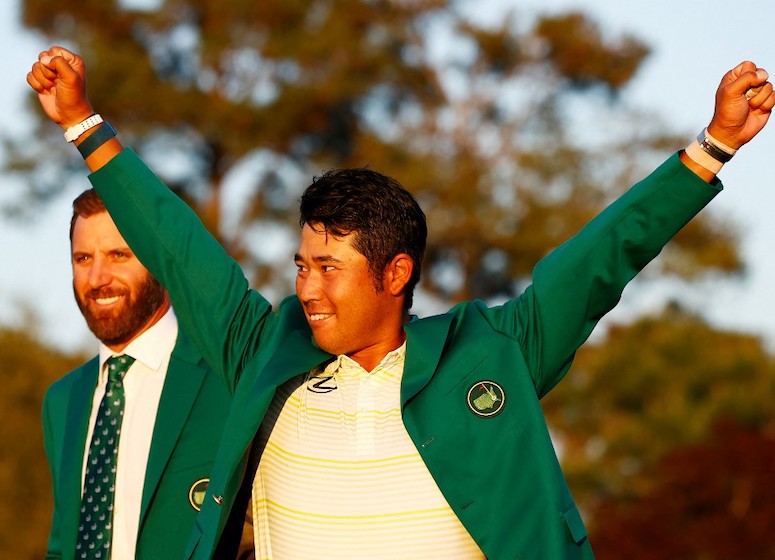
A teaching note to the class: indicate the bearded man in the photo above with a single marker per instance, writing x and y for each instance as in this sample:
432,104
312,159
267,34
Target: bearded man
167,408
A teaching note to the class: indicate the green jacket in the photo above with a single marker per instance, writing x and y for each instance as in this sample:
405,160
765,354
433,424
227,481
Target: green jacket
499,472
189,422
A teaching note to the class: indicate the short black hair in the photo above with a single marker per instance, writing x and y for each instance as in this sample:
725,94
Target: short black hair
383,216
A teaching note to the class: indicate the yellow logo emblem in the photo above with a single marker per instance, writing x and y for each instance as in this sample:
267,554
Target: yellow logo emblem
196,494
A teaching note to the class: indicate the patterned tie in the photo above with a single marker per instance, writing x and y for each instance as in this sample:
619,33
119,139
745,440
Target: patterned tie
96,526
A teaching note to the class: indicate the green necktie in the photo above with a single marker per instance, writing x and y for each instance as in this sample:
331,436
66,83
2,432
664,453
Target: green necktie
96,527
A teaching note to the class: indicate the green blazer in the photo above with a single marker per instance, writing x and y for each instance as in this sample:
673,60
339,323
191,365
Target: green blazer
489,449
192,411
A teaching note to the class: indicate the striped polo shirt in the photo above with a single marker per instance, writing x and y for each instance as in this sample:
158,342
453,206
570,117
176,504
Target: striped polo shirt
340,478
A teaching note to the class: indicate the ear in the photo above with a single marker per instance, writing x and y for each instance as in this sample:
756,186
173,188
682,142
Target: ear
398,273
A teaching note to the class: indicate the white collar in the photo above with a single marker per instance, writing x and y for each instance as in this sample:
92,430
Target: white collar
152,346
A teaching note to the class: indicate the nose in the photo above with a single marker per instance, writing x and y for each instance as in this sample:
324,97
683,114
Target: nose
308,287
99,274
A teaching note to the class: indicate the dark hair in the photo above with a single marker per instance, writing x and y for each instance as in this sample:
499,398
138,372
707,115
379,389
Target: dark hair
383,216
86,204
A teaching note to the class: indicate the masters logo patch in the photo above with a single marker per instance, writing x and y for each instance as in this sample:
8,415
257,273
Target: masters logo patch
486,398
196,494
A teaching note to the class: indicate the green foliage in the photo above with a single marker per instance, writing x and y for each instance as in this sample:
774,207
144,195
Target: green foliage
28,367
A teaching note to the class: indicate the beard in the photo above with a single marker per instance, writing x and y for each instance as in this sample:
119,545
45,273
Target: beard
120,324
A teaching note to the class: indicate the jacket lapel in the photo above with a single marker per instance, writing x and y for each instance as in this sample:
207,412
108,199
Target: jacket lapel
298,355
182,384
73,448
293,351
425,341
298,351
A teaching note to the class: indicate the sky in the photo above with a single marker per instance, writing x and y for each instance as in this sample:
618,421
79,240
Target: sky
694,42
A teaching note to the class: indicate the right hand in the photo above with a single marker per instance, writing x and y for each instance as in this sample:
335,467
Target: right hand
59,78
738,118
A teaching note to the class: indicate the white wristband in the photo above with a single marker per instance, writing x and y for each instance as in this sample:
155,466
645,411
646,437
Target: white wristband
703,158
74,132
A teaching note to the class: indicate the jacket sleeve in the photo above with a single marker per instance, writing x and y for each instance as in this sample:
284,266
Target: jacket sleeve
224,318
580,281
54,550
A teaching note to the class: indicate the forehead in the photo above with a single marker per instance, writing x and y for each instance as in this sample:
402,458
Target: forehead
96,232
316,242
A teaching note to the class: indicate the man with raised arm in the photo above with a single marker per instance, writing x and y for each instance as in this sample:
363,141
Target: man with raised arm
381,435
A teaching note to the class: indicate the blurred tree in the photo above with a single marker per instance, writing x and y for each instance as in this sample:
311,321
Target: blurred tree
511,136
28,367
712,501
237,104
652,387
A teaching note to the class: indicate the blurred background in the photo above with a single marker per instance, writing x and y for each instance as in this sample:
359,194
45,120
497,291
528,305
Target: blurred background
513,123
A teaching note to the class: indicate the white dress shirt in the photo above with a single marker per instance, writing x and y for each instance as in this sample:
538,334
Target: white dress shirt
143,384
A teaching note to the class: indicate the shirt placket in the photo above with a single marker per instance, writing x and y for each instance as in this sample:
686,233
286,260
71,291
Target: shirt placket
366,418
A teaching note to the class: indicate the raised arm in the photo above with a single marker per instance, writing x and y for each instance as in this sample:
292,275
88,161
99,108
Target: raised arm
582,280
227,321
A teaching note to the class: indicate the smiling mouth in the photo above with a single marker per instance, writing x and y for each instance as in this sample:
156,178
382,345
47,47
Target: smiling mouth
107,300
315,317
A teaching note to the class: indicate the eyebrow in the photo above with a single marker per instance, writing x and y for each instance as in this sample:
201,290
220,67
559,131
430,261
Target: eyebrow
320,259
112,251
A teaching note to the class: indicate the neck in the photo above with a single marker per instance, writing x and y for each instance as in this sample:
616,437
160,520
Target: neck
370,357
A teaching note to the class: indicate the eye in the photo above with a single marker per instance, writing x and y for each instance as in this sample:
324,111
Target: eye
81,259
327,268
